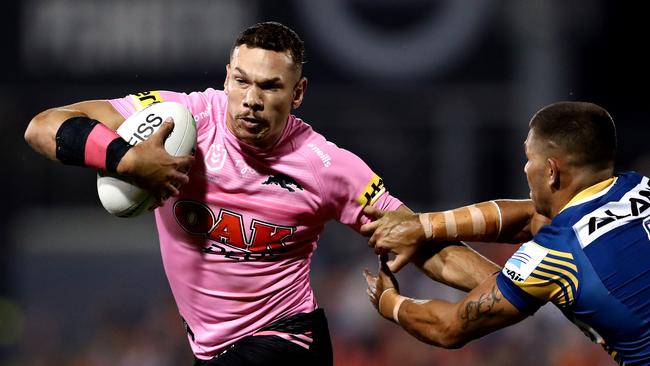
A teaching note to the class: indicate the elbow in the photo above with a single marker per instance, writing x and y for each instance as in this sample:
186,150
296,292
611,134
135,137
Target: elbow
452,340
449,336
34,131
31,133
449,342
40,134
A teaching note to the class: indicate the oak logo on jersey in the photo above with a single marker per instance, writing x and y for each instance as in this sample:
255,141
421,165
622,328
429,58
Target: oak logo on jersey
283,181
374,189
144,99
227,231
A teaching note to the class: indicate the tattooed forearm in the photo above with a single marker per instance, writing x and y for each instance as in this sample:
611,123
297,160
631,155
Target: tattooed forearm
476,309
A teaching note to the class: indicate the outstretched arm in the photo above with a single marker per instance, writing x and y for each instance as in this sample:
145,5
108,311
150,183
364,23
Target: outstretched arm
83,134
438,322
451,262
508,221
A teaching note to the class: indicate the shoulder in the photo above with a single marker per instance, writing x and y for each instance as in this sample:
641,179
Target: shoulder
624,202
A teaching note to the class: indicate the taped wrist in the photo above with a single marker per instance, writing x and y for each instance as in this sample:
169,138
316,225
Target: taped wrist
82,141
389,304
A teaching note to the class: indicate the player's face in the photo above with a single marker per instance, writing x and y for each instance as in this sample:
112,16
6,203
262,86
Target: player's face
536,170
262,87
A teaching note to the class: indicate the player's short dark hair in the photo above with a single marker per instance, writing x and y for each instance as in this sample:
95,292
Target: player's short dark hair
273,36
582,130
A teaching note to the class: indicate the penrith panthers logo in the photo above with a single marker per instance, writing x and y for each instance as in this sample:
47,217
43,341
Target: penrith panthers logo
283,181
228,233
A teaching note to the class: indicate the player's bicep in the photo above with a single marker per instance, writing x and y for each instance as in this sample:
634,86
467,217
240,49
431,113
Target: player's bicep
42,129
100,110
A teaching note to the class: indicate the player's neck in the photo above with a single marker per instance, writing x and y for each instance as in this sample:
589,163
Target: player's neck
577,182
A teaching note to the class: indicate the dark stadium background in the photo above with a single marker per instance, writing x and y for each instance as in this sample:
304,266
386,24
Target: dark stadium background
434,95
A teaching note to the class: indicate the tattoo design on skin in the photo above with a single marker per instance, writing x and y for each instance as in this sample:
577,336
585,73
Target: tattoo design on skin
474,310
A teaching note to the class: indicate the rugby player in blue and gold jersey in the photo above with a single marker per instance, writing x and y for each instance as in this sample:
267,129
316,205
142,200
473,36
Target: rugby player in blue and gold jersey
587,244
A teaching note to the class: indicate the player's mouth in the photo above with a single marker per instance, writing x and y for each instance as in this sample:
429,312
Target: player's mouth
251,123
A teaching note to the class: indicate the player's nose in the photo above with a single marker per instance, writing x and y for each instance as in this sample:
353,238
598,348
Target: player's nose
253,99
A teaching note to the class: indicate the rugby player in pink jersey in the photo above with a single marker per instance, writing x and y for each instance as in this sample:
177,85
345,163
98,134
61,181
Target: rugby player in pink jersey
238,229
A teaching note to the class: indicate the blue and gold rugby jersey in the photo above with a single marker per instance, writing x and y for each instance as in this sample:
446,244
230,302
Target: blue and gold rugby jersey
593,262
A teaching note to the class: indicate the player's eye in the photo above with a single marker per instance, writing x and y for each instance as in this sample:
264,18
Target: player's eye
270,86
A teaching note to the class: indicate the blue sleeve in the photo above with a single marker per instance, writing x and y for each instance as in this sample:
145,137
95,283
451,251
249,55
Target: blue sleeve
524,302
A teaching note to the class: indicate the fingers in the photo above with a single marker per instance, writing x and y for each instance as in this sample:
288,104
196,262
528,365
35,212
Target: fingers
369,228
163,132
370,279
184,163
371,290
397,263
373,212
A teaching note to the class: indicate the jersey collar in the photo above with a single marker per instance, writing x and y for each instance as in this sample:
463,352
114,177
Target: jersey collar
590,193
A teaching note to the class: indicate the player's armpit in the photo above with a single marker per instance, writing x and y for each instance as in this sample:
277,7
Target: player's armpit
451,325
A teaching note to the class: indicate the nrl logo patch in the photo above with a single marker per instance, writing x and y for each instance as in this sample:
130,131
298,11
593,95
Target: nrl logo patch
283,181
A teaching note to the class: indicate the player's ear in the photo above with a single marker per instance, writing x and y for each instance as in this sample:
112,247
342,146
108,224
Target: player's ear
553,173
299,92
225,81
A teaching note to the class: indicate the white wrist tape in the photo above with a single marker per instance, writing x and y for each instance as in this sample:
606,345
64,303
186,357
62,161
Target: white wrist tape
500,217
398,304
426,225
379,307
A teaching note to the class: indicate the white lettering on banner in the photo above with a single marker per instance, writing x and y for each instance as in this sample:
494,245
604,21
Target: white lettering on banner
634,205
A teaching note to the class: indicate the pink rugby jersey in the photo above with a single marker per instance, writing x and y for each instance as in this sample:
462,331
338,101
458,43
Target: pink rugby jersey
236,243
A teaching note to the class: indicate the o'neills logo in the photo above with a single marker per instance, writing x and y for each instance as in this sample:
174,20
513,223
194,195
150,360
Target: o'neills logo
325,158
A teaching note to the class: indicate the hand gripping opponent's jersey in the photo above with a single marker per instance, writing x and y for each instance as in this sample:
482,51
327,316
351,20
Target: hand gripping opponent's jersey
593,262
236,244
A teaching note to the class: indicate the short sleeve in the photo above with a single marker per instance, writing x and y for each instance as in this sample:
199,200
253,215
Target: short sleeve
350,185
536,274
198,103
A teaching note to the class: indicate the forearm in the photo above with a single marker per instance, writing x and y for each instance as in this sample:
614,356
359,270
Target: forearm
451,325
426,320
507,221
42,129
454,264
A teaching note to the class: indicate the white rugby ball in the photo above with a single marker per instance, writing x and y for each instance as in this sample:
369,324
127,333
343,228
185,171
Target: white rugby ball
124,199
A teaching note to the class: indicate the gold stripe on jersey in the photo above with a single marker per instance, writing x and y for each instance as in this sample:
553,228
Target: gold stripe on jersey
561,262
569,276
553,279
590,191
558,253
557,282
144,99
374,189
542,288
